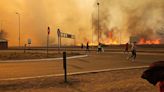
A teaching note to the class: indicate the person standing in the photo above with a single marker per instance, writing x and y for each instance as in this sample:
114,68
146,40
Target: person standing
126,48
102,48
99,48
87,47
133,51
82,46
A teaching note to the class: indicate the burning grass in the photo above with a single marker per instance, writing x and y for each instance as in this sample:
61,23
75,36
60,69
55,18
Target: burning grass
144,41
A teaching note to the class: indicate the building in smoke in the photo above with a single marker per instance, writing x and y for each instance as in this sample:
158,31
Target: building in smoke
3,41
3,44
133,39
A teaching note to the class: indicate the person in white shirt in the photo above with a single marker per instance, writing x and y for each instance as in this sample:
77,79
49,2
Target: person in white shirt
99,49
133,51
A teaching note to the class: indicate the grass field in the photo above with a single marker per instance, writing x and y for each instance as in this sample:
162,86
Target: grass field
31,55
113,81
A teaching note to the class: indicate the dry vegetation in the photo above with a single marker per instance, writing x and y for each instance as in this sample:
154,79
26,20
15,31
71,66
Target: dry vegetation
114,81
31,55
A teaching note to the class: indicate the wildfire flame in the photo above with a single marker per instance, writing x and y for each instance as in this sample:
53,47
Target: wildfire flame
109,41
144,41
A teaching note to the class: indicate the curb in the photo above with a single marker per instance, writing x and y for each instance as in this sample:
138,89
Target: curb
48,59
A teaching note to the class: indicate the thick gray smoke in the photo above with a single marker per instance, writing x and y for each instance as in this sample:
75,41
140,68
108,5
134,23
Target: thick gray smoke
141,18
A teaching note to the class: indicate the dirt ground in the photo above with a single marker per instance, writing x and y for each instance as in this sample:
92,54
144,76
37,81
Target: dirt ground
31,55
113,81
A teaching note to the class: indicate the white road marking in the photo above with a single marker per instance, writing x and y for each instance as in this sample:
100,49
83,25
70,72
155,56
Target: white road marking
46,59
74,73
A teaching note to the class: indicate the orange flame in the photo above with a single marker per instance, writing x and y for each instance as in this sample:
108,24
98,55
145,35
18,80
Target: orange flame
144,41
110,39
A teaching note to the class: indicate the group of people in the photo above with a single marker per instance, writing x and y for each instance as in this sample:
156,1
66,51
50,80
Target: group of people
126,51
154,74
87,47
133,51
99,47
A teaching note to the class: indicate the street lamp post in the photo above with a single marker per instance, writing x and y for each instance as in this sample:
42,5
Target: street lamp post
92,29
19,27
1,26
98,25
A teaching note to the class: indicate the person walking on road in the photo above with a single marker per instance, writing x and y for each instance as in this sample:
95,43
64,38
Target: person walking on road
133,51
126,48
99,49
82,46
87,47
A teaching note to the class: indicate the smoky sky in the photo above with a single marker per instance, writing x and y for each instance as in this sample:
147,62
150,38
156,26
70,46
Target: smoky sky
72,16
144,18
141,18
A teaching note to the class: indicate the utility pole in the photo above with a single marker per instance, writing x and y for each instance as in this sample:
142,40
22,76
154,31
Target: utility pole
120,38
19,27
1,30
92,30
65,66
48,33
59,40
98,24
1,25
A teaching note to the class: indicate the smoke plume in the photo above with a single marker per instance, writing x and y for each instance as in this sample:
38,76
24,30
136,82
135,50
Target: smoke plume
125,18
72,16
119,19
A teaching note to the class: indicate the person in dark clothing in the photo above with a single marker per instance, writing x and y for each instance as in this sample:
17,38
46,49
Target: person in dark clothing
99,49
126,48
82,46
155,74
87,47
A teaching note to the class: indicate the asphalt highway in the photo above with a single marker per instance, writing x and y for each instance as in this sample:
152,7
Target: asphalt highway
93,61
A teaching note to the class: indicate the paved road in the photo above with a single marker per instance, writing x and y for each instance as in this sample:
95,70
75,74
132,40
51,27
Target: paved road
92,62
150,49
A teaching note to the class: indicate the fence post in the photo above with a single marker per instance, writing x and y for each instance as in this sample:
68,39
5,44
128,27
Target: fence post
65,66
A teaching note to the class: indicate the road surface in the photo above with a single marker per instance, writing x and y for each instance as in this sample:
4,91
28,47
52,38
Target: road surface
92,62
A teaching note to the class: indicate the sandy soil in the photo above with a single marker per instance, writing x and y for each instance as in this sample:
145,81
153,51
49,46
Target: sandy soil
31,55
114,81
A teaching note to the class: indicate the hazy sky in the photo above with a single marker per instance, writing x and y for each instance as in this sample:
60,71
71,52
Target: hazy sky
125,17
70,16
